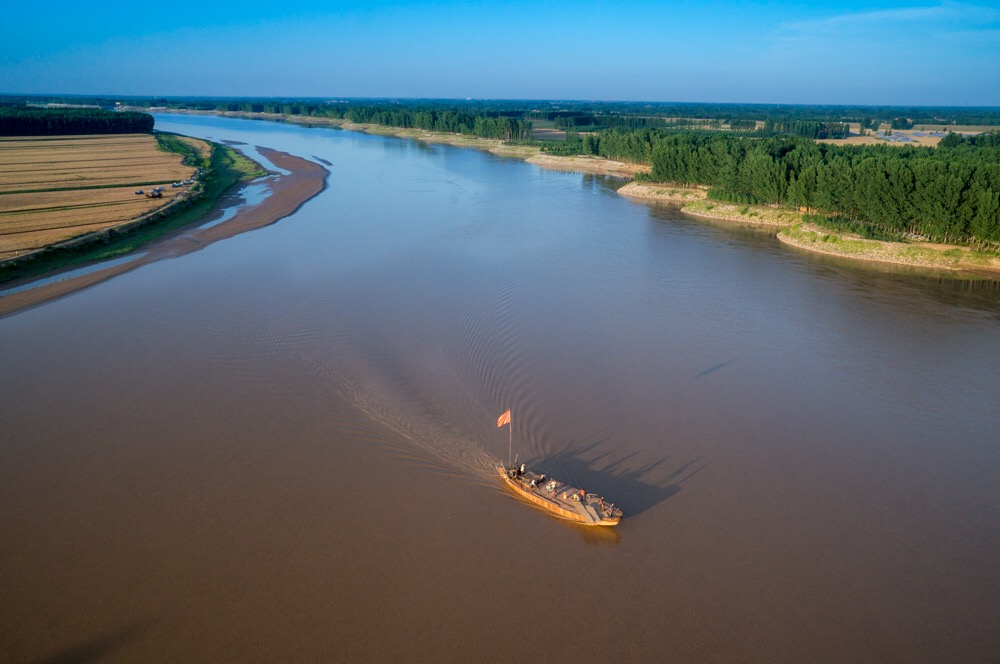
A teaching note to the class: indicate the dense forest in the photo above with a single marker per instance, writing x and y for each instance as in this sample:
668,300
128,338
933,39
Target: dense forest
30,121
807,128
485,126
580,121
947,194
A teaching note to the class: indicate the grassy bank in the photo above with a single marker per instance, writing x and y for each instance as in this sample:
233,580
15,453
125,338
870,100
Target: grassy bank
808,232
756,215
920,254
221,168
662,192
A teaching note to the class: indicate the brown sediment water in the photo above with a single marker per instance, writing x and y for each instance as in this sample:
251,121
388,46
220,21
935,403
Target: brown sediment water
280,447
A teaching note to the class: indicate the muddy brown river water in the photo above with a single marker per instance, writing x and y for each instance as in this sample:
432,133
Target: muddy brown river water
278,448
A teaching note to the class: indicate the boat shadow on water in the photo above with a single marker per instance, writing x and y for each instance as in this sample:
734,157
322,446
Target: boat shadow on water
633,486
99,647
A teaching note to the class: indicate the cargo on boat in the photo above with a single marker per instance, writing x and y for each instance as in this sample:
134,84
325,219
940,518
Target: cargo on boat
560,499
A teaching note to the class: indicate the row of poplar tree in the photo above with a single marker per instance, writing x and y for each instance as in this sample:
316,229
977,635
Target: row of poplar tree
31,121
485,126
501,126
950,193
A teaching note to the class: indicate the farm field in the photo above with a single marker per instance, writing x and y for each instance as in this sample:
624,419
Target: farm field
918,136
56,188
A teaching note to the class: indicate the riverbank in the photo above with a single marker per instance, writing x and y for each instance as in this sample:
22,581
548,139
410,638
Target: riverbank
285,194
530,153
594,165
219,168
692,200
811,237
794,231
663,193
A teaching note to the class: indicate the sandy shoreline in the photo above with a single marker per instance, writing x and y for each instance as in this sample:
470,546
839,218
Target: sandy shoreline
595,165
664,193
287,193
529,153
692,200
793,231
809,237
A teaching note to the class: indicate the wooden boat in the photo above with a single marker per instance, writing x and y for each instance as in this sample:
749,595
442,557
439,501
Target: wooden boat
560,499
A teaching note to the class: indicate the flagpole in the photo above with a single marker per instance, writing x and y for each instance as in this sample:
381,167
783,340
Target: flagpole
510,442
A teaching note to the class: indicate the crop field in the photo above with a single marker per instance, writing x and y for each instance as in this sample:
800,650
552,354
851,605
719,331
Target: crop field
55,188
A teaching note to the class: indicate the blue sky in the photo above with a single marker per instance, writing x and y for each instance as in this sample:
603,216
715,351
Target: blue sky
938,53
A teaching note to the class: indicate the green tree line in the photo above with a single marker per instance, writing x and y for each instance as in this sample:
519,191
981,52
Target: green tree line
497,125
626,114
29,121
485,126
947,194
807,128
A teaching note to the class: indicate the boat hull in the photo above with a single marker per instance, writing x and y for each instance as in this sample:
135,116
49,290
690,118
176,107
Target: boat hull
577,511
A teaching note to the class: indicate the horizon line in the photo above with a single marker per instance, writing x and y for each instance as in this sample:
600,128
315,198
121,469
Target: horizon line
335,98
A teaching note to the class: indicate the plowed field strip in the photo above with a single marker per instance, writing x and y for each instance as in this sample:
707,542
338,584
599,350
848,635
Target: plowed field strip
79,142
80,185
27,156
53,189
64,221
15,244
70,137
28,176
91,169
15,203
95,148
84,186
108,215
6,214
11,202
32,156
39,183
91,161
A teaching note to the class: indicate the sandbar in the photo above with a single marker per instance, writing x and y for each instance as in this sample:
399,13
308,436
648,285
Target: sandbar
286,194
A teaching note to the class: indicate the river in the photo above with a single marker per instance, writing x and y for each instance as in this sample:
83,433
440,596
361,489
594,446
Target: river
279,448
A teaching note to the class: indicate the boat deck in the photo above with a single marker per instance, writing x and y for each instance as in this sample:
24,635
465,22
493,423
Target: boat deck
562,499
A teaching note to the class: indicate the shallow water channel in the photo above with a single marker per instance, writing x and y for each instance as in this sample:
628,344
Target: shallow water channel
279,448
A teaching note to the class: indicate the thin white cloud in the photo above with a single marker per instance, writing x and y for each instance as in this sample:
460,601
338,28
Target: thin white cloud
946,12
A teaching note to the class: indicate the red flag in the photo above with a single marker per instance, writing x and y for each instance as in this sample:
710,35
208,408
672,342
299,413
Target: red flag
504,419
